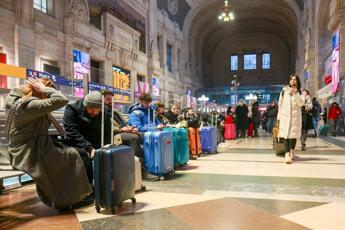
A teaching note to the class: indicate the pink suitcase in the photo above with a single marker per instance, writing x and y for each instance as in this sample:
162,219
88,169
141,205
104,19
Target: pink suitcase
230,131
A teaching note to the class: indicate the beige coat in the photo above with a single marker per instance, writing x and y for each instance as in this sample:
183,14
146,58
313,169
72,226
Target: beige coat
289,114
58,171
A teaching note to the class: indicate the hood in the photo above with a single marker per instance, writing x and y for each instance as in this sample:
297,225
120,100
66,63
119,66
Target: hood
137,107
13,96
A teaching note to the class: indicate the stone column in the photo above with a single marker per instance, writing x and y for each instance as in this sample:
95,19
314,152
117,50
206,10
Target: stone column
151,40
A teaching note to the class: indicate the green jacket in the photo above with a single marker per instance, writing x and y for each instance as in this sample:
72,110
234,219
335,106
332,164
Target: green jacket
58,171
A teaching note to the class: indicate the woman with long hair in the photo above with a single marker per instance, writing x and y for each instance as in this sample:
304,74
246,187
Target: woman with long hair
307,118
289,115
59,171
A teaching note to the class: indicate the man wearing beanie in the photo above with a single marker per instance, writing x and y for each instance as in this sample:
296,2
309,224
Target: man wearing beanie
82,121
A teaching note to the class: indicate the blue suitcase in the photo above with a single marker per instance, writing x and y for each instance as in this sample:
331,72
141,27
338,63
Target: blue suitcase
114,173
114,176
208,136
180,145
158,153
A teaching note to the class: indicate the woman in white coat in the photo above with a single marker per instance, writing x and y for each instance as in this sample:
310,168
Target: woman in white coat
289,115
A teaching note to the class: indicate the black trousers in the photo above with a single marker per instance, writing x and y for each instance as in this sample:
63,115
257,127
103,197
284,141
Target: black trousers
291,143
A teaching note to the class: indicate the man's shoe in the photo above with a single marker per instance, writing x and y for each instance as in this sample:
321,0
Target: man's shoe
150,177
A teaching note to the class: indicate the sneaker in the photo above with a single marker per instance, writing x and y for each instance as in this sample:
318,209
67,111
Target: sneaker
303,147
150,177
288,159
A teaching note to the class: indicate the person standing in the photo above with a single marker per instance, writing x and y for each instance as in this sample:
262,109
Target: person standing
333,116
242,120
272,112
307,121
315,112
256,117
289,115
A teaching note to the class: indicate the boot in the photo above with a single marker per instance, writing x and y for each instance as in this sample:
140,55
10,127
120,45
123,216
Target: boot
288,159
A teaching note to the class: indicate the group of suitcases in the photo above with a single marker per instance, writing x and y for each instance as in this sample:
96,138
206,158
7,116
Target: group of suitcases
117,172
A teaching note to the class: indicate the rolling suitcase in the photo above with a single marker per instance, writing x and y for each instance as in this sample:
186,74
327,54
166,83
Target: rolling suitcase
158,152
114,173
208,136
323,130
180,145
250,130
230,131
194,142
138,178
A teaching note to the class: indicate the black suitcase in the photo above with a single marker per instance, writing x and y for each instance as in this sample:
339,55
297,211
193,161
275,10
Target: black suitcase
114,175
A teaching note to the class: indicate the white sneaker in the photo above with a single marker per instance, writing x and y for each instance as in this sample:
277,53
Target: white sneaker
288,159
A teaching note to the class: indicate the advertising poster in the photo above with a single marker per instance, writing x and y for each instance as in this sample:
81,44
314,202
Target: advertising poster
155,87
81,64
140,88
122,85
3,78
335,62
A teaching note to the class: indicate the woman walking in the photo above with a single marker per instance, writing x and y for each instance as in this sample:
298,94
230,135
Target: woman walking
289,115
307,118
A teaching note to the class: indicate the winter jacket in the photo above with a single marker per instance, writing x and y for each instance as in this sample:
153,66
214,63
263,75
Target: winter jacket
58,170
255,112
138,117
242,120
334,112
173,119
83,130
272,111
289,114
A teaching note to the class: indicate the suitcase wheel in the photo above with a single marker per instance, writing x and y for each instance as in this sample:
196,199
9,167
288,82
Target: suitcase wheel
143,188
98,209
113,209
172,173
134,200
161,178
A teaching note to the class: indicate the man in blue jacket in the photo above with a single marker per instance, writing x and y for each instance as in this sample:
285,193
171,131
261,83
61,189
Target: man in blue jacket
139,114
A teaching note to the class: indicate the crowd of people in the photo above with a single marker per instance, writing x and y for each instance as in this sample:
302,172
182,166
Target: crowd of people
66,163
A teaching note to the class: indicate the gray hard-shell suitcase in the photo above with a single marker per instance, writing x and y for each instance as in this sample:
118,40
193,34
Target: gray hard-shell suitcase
114,174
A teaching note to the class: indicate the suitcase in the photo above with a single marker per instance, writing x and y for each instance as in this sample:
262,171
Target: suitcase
180,145
194,142
230,131
138,178
208,137
323,130
114,174
158,152
250,131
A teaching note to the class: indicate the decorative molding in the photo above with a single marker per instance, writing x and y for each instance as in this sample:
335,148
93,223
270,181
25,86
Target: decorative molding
80,9
337,17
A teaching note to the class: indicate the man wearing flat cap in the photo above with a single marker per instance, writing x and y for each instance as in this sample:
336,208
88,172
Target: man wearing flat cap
82,121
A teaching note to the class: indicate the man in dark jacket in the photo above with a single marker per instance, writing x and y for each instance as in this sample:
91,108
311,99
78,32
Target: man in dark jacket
173,114
256,117
272,112
83,122
315,112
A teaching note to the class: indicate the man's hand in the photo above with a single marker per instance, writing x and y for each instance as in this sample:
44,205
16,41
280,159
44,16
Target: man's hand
160,126
92,155
126,129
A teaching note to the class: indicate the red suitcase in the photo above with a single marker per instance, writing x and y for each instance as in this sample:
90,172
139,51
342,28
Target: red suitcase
230,131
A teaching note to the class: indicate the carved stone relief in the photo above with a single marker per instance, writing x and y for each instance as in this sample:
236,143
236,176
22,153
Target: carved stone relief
173,6
80,9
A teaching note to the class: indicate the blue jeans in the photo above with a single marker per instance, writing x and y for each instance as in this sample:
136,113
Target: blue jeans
270,123
316,121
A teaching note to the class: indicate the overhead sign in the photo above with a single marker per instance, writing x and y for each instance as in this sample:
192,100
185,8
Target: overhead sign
120,96
58,80
12,71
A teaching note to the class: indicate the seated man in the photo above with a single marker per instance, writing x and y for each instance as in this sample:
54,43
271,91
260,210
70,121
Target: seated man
173,114
139,114
160,109
83,123
129,135
192,118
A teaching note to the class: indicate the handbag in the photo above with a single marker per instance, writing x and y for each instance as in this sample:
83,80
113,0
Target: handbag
280,147
275,131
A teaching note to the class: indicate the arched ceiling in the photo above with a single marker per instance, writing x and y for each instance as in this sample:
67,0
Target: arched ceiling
278,18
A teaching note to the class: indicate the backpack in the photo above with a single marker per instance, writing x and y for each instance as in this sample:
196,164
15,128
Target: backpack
315,110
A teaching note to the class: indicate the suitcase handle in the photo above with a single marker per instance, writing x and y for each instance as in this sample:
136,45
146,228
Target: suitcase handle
111,122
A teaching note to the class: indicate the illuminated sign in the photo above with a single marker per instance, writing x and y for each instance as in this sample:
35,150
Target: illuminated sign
120,96
81,64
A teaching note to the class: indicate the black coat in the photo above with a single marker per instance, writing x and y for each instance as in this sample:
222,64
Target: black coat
173,119
256,112
242,120
307,120
83,130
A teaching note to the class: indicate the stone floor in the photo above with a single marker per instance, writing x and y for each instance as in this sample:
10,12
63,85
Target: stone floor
244,186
